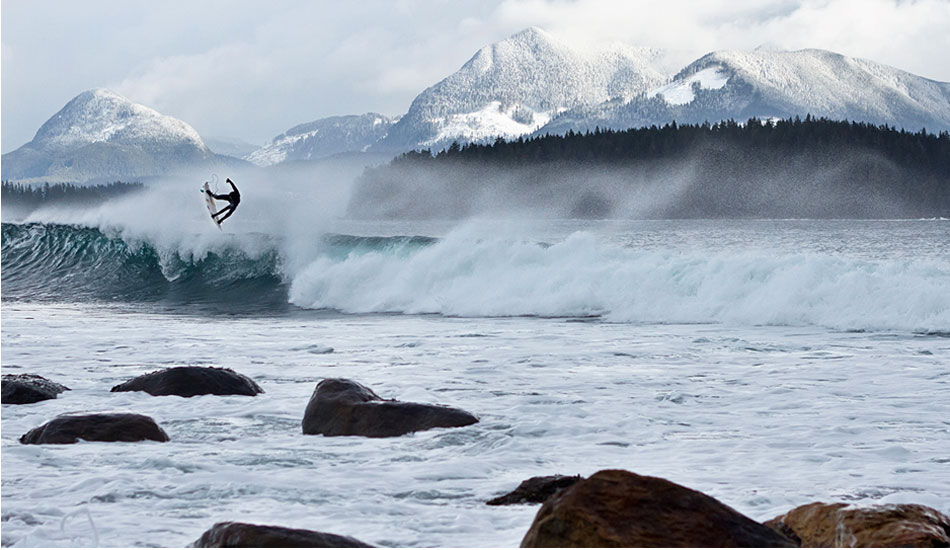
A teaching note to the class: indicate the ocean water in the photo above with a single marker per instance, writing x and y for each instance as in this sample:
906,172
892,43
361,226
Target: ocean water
766,363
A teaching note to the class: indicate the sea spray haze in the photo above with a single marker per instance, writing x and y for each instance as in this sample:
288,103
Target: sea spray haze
794,168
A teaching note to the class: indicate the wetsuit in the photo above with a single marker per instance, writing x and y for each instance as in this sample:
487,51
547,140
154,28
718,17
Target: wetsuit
233,198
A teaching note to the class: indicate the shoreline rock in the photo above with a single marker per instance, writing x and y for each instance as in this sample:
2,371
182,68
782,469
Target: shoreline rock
343,407
22,389
535,490
70,428
842,525
619,508
231,534
191,381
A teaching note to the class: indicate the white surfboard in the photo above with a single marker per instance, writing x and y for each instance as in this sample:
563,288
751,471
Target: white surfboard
209,202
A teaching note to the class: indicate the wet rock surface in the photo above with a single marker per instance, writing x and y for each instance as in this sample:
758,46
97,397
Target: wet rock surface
192,381
71,428
535,490
844,526
247,535
21,389
343,407
616,508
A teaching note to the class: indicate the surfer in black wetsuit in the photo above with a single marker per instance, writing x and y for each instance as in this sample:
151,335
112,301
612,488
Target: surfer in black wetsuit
233,198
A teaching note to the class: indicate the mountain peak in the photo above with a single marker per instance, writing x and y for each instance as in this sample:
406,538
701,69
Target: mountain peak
531,34
513,86
101,135
102,115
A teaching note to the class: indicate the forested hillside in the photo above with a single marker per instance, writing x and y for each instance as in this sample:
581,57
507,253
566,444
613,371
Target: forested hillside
796,168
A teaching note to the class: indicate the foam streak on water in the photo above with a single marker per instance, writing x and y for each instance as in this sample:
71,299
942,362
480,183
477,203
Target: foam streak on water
762,417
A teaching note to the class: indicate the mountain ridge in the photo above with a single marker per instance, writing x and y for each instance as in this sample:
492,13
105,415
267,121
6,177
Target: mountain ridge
323,138
515,85
100,135
768,84
529,84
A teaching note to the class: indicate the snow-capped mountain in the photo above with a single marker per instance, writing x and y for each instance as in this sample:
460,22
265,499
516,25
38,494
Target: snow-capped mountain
102,135
323,138
515,86
775,84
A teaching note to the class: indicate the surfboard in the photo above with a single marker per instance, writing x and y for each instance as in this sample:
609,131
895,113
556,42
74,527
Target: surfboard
209,202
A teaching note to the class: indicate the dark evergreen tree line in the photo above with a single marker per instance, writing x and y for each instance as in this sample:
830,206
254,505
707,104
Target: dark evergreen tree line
791,136
809,168
26,196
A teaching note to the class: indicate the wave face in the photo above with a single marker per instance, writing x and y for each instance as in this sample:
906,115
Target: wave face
51,262
467,274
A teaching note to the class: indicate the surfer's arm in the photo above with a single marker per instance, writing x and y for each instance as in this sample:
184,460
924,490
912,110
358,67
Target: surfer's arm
232,184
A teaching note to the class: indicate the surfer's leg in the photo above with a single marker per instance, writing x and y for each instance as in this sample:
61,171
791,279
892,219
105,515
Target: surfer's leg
222,211
228,215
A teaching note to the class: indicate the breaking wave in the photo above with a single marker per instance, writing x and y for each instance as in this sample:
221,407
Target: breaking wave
466,274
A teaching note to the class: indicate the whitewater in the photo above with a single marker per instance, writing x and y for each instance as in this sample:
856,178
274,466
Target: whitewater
766,363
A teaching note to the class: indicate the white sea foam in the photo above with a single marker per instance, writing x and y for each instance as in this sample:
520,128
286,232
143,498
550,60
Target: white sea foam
469,274
762,418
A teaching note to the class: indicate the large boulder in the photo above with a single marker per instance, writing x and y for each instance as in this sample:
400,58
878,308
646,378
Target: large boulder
344,407
245,535
192,381
70,428
841,525
19,389
535,490
617,508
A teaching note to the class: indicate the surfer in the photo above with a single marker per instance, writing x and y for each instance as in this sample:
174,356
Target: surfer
233,198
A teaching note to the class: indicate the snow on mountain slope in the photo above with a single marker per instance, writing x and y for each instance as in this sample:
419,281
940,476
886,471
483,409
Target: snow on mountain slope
100,135
323,138
767,84
103,115
515,86
680,92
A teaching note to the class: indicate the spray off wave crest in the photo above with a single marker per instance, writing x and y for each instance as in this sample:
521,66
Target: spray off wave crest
469,274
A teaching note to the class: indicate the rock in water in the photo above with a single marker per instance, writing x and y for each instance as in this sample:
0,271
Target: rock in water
844,526
535,490
192,381
344,407
70,428
19,389
619,508
246,535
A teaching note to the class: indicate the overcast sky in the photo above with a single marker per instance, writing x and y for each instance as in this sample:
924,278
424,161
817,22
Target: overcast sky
251,69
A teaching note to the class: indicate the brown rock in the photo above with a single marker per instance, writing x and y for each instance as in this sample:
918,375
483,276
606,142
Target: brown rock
69,428
246,535
616,508
344,407
20,389
192,381
535,490
841,525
